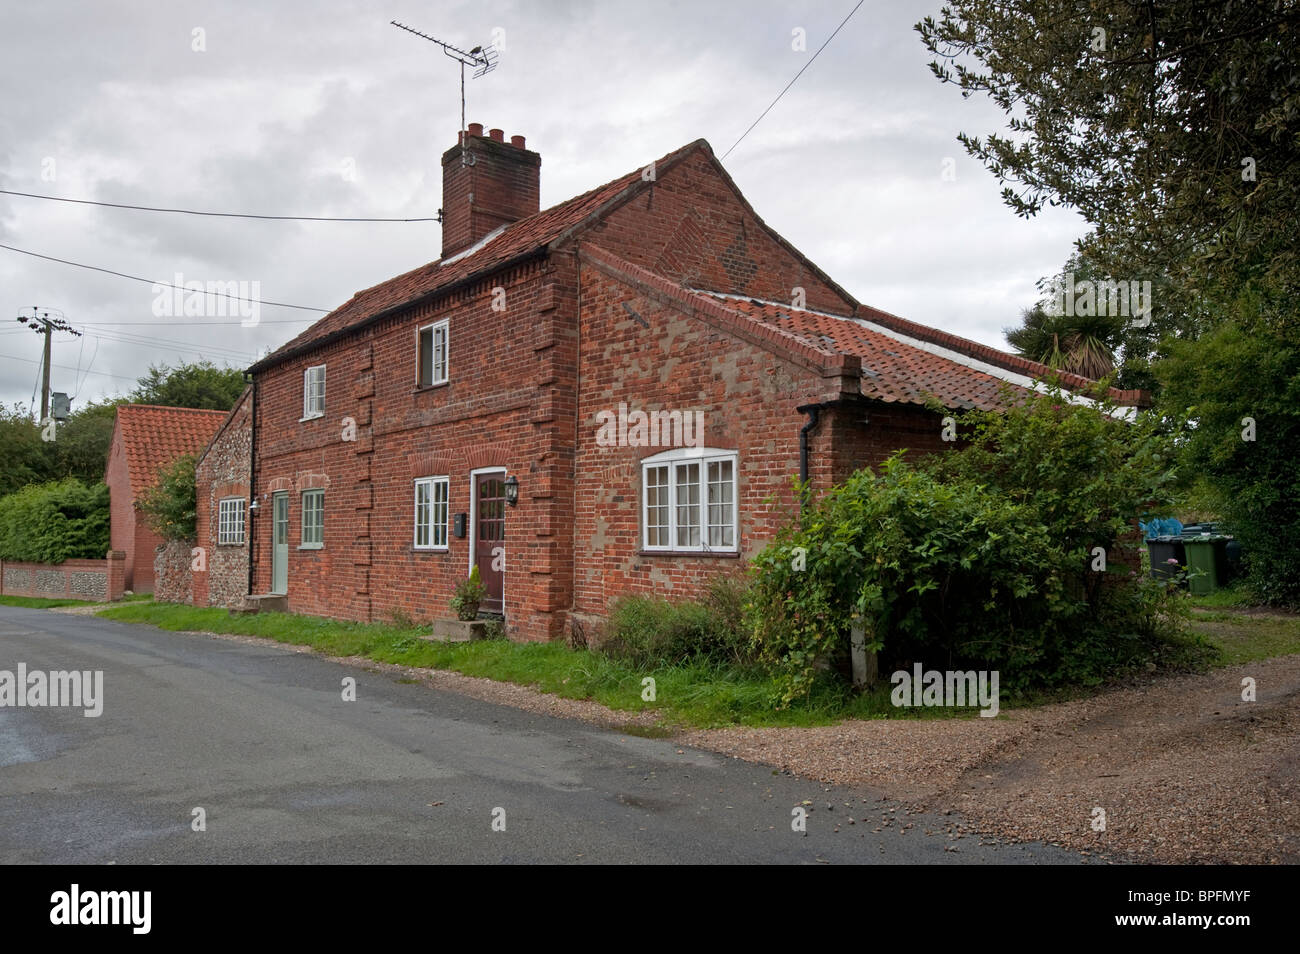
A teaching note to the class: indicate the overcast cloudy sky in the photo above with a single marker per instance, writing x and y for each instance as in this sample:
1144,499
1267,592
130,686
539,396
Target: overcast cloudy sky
323,108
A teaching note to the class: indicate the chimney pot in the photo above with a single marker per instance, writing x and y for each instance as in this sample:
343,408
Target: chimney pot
498,135
517,142
476,129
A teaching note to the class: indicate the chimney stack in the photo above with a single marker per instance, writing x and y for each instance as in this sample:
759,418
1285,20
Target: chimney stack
486,184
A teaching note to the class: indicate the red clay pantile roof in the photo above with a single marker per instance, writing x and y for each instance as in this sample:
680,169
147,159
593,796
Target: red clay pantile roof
154,436
1002,359
895,370
517,240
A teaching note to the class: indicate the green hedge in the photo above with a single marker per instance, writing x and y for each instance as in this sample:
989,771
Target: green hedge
56,521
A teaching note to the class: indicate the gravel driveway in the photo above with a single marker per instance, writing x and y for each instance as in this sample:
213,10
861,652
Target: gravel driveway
1183,768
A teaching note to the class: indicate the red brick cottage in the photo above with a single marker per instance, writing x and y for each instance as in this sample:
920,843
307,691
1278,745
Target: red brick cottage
609,396
147,438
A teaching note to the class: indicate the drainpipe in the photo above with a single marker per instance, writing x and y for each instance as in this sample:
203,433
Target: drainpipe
252,472
813,411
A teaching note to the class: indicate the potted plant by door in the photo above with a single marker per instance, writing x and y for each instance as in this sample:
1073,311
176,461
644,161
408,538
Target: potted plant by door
464,603
469,594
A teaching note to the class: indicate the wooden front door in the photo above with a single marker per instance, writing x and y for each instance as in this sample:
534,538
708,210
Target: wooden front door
490,537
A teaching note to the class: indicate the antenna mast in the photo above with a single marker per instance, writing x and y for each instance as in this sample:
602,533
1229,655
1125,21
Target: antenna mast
483,59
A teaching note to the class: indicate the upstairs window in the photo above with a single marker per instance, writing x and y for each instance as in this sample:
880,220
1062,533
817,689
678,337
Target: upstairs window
313,392
432,354
688,501
230,520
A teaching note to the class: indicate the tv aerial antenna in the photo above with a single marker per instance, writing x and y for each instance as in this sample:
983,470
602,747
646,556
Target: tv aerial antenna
482,59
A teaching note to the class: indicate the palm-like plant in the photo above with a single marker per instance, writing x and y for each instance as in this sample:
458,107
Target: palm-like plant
1080,344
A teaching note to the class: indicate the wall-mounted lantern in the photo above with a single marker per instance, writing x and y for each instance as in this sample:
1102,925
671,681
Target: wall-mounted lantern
512,490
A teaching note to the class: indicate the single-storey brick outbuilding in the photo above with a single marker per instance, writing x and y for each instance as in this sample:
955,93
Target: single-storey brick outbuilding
609,396
146,439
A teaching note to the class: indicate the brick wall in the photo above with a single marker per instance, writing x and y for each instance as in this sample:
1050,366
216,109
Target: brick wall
694,228
223,471
122,512
865,435
95,580
128,531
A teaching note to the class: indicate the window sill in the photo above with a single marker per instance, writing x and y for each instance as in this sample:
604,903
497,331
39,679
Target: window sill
720,554
311,546
311,417
231,543
421,388
430,550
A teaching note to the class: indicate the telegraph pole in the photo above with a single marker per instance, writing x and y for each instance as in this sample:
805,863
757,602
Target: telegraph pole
45,374
41,323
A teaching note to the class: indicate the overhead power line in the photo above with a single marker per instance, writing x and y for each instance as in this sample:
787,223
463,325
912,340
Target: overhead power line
171,344
176,322
792,82
149,281
223,215
65,367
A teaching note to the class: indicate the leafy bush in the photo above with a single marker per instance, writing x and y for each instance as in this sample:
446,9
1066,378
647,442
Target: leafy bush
54,522
170,507
980,558
651,632
1086,471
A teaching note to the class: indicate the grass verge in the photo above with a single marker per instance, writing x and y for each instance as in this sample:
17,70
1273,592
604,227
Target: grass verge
40,602
689,695
699,694
1223,597
1242,638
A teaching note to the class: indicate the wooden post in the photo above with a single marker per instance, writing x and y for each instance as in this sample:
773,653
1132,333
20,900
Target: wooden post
866,666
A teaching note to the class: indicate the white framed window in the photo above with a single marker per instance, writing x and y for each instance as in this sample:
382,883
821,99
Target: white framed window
230,520
431,354
313,519
688,501
313,392
431,513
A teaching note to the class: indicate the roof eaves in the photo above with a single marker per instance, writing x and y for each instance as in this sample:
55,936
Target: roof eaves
535,251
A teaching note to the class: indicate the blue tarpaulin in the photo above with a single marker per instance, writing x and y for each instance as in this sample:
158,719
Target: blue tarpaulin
1161,527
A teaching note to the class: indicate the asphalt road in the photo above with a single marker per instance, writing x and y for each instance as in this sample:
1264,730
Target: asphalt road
286,771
